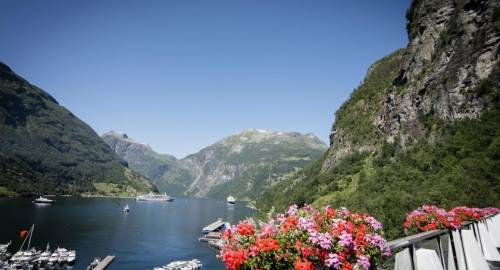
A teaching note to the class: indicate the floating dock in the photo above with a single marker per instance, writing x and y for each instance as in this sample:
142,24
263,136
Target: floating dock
105,263
214,226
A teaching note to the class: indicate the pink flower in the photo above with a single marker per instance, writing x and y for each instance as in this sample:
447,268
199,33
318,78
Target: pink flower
364,262
333,260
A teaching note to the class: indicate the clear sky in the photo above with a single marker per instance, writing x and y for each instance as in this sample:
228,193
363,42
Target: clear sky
183,74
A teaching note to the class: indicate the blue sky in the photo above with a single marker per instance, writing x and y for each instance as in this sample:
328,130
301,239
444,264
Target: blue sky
181,75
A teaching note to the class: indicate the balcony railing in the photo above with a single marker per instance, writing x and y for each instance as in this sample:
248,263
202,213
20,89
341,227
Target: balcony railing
475,246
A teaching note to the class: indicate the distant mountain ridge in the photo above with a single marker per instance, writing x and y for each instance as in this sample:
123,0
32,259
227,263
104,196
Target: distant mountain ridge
46,149
243,164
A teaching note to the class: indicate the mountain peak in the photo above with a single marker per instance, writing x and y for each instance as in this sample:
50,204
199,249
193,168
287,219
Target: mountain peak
122,137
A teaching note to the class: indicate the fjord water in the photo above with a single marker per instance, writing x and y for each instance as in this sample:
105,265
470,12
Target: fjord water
151,234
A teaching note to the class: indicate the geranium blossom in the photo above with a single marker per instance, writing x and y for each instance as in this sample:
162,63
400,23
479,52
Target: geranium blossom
430,217
307,238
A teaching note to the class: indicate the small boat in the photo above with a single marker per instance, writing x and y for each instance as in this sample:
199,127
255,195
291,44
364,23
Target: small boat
43,200
62,259
4,247
71,257
126,209
182,265
53,258
93,264
155,197
231,200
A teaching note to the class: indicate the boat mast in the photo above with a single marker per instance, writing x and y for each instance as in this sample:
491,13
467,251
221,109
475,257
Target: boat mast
31,234
24,241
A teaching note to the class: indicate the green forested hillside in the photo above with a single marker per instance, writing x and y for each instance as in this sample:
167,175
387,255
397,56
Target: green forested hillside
243,164
45,149
422,128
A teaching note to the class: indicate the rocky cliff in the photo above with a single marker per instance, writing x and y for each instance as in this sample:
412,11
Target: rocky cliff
46,149
243,164
422,128
445,73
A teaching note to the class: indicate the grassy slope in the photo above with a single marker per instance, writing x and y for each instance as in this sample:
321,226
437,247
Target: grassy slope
460,168
44,148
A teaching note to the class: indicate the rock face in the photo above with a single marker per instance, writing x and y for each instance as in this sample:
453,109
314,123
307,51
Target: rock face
46,149
243,164
247,163
422,128
451,56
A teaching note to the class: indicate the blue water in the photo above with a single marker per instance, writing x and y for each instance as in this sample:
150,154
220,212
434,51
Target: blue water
151,234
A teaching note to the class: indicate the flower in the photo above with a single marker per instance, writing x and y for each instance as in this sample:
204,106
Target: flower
245,229
333,260
364,262
430,217
234,259
306,238
302,265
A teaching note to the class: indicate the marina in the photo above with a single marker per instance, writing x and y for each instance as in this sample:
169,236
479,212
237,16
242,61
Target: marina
149,236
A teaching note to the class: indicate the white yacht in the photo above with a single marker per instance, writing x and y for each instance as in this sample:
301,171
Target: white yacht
126,209
43,200
155,197
182,265
53,258
71,257
231,200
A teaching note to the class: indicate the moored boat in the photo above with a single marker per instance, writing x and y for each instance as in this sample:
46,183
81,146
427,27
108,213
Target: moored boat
182,265
43,200
71,257
231,200
155,197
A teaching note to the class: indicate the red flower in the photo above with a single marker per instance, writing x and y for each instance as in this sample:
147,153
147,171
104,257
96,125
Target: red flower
245,229
266,244
234,259
290,223
302,264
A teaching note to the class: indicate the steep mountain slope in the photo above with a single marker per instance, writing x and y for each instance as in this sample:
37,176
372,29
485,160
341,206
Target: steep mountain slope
166,172
44,148
423,127
246,163
243,164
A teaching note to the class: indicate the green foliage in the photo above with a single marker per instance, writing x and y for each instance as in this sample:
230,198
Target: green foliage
460,168
359,111
44,148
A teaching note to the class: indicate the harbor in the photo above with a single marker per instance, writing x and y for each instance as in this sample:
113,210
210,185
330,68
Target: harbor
149,235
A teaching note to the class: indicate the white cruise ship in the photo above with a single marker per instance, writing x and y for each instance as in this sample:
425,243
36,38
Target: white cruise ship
155,197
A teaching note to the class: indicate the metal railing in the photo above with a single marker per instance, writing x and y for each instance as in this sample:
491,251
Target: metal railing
412,243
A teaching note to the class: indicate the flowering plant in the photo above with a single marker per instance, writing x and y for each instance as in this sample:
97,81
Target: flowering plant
488,211
306,239
430,217
427,218
463,214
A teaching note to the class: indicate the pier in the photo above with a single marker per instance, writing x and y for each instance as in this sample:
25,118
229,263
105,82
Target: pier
214,226
105,263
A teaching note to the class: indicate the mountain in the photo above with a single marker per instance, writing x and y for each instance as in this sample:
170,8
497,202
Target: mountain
244,164
422,128
45,149
165,171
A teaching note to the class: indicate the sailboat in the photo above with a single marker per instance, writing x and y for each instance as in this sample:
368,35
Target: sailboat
126,209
